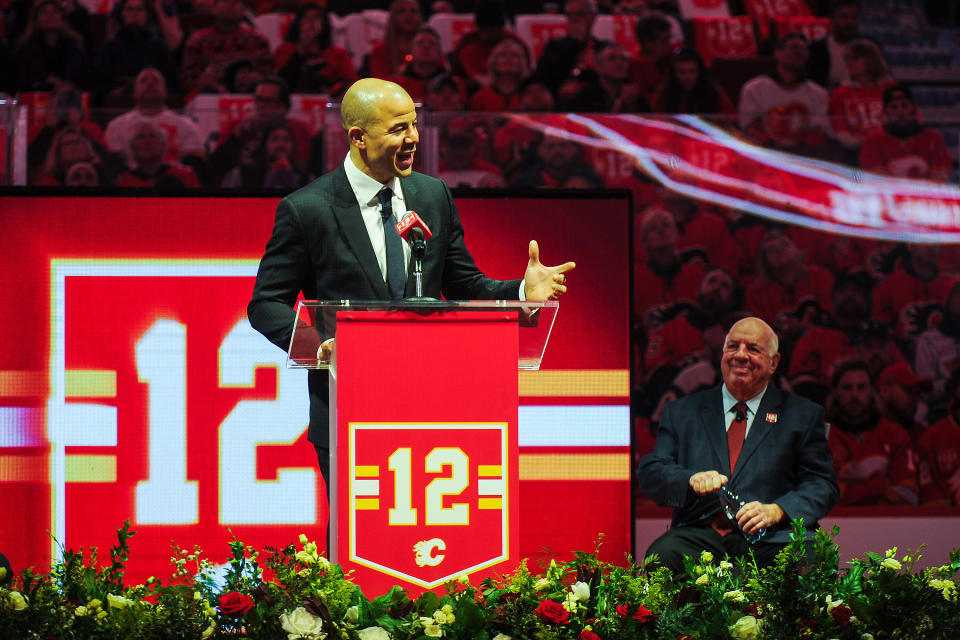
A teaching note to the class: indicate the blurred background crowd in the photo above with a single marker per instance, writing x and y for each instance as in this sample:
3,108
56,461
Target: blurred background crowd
174,94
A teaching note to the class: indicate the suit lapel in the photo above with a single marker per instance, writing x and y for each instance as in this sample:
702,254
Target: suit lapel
347,213
763,423
712,424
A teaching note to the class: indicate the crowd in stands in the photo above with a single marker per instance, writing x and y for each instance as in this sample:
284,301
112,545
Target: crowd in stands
833,97
869,329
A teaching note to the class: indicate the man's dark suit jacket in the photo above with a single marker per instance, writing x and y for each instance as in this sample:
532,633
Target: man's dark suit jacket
321,247
785,459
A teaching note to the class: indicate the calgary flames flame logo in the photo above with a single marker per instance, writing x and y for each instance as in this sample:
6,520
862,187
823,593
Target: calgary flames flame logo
423,552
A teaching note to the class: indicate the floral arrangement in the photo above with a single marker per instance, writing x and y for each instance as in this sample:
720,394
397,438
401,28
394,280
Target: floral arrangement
294,593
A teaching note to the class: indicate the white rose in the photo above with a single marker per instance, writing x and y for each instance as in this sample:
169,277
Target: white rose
891,563
300,623
440,617
353,614
374,633
17,600
541,584
746,628
118,602
430,628
581,590
706,557
80,611
735,596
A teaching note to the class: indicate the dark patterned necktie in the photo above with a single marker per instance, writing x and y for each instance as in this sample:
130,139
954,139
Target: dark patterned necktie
396,273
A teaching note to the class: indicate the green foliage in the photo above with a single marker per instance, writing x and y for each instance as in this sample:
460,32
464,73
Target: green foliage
804,594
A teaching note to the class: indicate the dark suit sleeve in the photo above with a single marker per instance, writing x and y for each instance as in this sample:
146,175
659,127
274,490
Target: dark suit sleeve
660,476
461,278
815,490
283,273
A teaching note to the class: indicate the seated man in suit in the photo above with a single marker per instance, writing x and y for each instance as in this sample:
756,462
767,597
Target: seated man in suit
767,445
336,239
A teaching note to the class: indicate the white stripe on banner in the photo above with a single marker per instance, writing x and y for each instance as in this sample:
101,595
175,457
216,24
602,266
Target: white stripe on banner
575,426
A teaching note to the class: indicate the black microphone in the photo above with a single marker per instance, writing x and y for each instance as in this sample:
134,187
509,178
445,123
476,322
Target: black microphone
418,244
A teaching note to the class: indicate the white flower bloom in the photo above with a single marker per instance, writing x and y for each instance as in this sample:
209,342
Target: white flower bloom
118,602
735,596
353,614
833,604
726,566
502,636
447,609
305,557
541,584
80,611
706,557
580,590
16,600
746,628
374,633
866,636
300,623
323,563
440,617
463,579
891,563
704,579
431,628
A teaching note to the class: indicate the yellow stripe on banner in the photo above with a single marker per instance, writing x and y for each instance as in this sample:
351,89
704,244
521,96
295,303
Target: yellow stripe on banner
81,468
367,504
367,471
23,384
575,466
489,470
24,469
90,383
578,383
489,503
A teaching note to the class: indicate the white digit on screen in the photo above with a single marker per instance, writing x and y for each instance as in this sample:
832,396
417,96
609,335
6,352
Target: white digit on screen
452,485
166,496
402,512
292,497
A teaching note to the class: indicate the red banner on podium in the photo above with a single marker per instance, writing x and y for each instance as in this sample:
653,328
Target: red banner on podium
426,463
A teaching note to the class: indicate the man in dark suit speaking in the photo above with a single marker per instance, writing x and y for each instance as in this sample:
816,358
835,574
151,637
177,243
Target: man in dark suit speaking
767,446
335,239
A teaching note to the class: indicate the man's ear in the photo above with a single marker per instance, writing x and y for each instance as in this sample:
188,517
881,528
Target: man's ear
356,137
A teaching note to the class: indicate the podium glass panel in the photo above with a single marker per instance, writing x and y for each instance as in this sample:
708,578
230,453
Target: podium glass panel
316,325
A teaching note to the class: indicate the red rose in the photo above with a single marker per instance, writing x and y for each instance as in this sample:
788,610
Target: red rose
841,615
755,611
550,611
234,603
586,634
642,614
623,610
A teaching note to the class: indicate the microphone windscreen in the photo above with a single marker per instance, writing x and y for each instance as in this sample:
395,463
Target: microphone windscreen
410,221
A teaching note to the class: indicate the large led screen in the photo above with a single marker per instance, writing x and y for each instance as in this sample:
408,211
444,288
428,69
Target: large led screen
132,386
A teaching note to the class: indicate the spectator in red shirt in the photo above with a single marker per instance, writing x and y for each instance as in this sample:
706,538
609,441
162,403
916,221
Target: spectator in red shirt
689,89
147,149
873,457
856,106
509,66
388,56
938,454
822,345
903,147
70,146
899,390
460,162
668,275
915,281
208,52
784,280
271,106
307,58
471,57
426,63
651,70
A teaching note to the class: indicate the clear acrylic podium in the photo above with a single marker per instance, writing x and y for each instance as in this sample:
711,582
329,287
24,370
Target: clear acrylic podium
424,483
